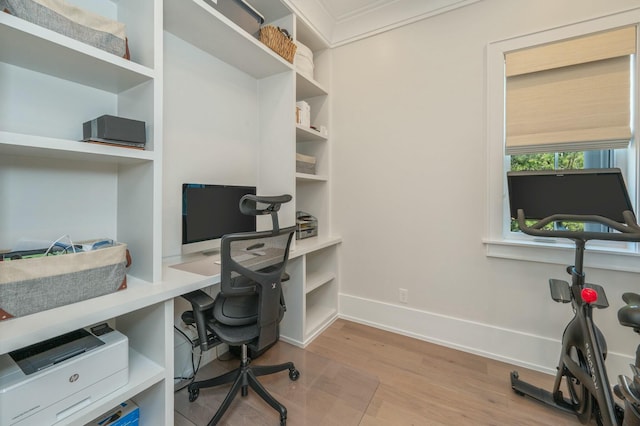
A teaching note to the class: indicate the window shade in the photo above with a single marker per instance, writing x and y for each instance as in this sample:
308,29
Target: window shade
572,95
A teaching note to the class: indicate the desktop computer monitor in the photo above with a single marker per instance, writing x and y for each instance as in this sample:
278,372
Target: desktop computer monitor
211,211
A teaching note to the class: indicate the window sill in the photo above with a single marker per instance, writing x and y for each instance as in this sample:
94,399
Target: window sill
561,253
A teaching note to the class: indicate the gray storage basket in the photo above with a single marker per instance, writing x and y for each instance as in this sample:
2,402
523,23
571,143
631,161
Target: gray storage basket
305,164
71,21
32,285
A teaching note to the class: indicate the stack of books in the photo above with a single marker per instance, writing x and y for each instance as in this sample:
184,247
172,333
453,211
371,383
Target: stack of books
116,131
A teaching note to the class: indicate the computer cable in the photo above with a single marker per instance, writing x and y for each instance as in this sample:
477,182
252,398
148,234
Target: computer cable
194,367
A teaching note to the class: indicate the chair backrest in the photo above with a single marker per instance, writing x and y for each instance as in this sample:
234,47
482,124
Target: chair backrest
253,263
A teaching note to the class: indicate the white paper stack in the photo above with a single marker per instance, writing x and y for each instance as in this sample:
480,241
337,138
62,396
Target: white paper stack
303,114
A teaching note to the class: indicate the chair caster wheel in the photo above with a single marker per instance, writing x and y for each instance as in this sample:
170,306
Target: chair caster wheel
193,394
294,374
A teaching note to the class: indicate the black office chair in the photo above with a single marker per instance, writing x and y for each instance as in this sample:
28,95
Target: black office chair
250,305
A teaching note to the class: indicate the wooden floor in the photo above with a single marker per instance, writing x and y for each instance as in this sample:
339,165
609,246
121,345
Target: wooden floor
358,375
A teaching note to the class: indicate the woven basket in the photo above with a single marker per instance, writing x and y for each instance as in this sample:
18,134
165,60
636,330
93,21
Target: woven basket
277,41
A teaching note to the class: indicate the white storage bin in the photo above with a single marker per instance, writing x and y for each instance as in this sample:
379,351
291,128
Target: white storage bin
303,60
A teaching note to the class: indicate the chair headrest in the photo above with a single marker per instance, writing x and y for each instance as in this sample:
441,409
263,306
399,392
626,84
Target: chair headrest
249,204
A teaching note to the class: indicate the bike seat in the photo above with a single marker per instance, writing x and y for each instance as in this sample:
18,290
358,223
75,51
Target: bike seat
629,315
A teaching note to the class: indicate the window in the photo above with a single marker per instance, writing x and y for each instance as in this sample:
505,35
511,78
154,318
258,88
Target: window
562,98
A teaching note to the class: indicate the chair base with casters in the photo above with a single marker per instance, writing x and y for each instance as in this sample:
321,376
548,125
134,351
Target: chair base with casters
243,377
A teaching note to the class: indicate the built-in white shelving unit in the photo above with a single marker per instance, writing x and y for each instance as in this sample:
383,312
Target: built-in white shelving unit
316,265
312,291
57,84
61,186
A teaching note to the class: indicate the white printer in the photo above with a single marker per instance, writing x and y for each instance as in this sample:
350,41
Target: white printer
44,383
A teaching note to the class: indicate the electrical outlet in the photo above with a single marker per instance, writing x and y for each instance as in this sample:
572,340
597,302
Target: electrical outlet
403,295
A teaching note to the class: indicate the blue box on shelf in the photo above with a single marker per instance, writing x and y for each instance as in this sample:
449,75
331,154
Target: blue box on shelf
125,414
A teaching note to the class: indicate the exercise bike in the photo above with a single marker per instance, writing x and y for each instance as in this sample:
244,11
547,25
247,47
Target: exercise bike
591,196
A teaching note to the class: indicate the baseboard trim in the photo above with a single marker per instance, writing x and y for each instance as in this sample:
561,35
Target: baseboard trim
291,341
511,346
312,336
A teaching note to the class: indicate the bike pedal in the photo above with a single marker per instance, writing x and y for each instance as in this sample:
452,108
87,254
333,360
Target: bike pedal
617,392
560,290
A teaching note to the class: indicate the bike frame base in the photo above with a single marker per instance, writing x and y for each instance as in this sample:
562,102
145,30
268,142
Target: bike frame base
541,395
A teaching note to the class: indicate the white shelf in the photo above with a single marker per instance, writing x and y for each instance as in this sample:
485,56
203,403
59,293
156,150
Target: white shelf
309,245
305,177
318,279
143,373
23,331
18,144
207,29
304,134
42,50
306,88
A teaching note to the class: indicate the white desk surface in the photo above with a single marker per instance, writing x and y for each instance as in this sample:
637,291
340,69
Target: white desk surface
23,331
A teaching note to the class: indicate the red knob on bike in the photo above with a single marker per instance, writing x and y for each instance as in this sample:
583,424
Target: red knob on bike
589,295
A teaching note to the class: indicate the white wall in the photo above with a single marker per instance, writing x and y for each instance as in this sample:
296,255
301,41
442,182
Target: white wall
38,191
210,129
409,185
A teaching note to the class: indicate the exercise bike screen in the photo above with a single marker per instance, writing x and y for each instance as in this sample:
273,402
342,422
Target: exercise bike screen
542,194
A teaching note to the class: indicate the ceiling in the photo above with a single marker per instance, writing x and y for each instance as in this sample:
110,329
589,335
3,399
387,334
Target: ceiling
343,9
343,21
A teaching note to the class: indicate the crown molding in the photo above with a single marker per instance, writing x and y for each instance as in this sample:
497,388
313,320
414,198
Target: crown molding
369,21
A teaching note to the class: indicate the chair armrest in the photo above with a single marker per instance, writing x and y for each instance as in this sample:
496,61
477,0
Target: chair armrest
200,301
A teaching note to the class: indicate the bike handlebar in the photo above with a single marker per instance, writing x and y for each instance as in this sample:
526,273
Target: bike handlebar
629,231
